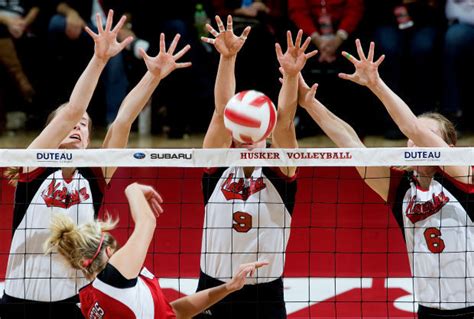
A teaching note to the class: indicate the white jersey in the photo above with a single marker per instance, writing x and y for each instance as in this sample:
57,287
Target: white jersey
439,235
246,219
31,274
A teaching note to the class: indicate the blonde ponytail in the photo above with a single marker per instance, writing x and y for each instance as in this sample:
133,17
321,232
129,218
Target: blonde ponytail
81,243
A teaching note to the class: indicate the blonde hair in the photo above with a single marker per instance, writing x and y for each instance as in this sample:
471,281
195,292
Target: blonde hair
77,244
448,131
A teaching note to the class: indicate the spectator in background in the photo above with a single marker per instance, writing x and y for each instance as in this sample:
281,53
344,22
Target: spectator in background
16,17
406,31
170,17
458,63
269,25
23,29
70,46
328,22
331,24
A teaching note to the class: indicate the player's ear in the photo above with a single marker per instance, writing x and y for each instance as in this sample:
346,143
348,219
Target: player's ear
109,251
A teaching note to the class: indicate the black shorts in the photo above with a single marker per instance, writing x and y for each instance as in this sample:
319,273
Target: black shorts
432,313
15,308
262,301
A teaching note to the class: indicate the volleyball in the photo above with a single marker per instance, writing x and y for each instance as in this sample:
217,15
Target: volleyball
250,116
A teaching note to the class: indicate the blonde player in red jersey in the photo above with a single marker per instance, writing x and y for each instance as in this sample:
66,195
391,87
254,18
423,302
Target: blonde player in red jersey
38,284
431,204
121,287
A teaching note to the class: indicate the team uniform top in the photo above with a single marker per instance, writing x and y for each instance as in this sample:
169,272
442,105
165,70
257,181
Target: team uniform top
439,235
246,219
30,273
112,296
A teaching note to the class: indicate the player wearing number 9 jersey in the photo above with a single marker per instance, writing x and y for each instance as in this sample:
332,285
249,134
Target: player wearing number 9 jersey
248,210
432,205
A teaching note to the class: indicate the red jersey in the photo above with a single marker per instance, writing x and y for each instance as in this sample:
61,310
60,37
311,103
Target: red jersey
111,296
344,14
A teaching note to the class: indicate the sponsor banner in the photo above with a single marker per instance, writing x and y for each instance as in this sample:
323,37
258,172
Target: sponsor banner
238,157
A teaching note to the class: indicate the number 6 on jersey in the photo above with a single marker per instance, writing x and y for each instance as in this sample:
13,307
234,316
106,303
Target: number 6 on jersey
433,240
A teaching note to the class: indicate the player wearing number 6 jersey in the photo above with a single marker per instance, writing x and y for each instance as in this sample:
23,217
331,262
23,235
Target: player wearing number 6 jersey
248,210
433,205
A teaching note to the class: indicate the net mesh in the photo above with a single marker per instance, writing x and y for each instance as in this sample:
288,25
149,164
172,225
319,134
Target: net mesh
346,255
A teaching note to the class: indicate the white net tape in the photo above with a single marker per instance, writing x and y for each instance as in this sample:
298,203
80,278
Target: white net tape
330,157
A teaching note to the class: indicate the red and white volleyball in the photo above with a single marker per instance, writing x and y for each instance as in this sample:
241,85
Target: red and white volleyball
250,116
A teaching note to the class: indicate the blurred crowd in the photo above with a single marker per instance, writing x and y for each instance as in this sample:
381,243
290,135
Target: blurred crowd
429,48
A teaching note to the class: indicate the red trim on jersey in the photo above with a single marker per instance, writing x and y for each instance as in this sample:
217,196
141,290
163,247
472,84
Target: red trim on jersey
94,301
418,186
162,306
283,176
465,187
67,180
210,170
241,119
396,176
96,304
30,176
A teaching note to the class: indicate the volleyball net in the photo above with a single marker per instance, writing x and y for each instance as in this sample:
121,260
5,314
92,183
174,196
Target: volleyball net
346,255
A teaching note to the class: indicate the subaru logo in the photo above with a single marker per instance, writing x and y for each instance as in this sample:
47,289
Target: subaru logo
139,155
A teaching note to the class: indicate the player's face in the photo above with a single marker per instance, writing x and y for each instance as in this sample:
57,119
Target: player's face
79,136
431,124
250,146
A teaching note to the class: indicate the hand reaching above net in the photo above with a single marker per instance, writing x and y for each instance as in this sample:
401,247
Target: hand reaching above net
166,61
226,42
366,70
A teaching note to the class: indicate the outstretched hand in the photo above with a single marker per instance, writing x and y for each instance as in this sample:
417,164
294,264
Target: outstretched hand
294,59
245,270
366,70
166,61
152,197
106,44
306,94
225,41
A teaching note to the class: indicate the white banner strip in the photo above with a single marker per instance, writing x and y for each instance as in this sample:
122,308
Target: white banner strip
237,157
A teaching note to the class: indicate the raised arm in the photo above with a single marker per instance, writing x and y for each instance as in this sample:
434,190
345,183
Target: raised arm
158,67
291,63
366,74
192,305
106,46
145,207
228,45
343,135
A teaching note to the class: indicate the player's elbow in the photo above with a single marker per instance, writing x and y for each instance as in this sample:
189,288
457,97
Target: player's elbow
411,130
178,311
122,124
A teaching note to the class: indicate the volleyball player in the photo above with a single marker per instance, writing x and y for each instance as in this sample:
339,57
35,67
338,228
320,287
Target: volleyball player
248,210
431,204
38,284
121,287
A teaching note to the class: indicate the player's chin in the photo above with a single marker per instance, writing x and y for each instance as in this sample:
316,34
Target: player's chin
72,145
250,146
